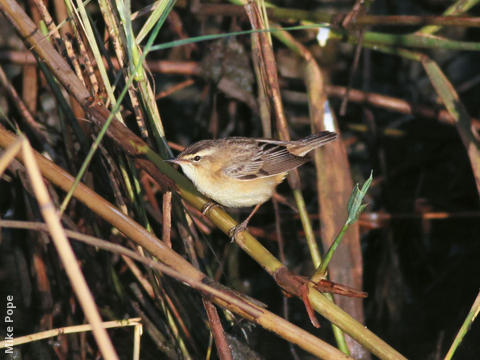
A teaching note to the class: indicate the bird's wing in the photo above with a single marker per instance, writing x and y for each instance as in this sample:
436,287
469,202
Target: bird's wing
267,158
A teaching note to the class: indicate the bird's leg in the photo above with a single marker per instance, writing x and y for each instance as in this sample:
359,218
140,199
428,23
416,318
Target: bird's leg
243,225
283,200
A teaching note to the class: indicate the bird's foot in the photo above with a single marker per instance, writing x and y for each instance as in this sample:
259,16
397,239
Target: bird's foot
234,231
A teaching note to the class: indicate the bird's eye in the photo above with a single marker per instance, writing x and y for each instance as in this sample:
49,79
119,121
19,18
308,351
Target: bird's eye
197,158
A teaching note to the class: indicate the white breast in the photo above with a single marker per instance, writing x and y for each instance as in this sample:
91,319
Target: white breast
233,192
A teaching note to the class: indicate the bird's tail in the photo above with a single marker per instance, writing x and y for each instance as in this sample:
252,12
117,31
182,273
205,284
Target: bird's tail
303,146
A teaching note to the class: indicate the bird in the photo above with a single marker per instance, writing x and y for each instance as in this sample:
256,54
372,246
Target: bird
241,172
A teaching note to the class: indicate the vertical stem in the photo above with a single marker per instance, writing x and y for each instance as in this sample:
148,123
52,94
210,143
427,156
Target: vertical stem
307,227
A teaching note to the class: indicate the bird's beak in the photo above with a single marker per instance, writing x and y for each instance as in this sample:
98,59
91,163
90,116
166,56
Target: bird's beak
176,161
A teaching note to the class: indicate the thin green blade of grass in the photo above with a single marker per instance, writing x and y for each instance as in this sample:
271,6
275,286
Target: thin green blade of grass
196,39
472,314
152,19
124,10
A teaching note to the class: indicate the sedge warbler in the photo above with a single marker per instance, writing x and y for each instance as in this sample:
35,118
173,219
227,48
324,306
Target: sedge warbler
242,172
